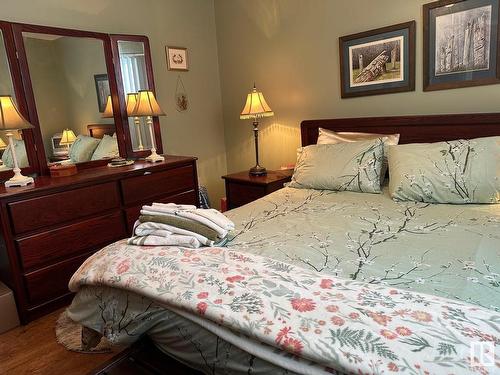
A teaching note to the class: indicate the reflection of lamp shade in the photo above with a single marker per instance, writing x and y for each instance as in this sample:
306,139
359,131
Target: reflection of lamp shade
256,106
68,137
147,105
10,118
131,103
3,146
108,111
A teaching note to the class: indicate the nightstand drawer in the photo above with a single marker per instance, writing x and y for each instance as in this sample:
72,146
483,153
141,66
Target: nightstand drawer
62,243
58,208
157,184
239,194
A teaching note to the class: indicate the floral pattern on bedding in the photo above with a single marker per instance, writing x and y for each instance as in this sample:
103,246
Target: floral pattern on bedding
343,325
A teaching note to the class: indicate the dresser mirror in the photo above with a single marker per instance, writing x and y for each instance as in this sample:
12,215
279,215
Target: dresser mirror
7,88
71,94
72,85
134,73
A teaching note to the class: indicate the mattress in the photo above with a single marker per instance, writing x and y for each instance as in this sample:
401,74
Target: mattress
451,251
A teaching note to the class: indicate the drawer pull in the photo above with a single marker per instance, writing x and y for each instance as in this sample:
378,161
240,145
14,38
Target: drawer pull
147,173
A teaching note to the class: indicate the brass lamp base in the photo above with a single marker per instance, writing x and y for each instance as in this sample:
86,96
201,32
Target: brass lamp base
257,171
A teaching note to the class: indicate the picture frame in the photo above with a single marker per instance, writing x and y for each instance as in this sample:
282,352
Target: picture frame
378,61
102,90
461,44
177,58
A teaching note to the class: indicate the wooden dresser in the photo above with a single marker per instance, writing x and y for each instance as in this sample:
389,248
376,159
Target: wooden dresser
51,227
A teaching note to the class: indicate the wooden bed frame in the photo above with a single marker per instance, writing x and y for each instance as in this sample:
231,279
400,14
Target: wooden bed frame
100,130
413,129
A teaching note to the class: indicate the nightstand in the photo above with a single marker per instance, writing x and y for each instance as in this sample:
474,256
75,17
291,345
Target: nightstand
242,188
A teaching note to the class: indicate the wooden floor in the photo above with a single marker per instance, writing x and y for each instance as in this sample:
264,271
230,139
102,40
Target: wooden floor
33,349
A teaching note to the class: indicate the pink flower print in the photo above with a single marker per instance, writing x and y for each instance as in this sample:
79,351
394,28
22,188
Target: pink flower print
337,320
202,295
326,284
421,316
235,279
292,345
123,266
202,308
354,315
380,318
332,308
218,301
282,334
388,334
404,331
393,367
303,304
393,291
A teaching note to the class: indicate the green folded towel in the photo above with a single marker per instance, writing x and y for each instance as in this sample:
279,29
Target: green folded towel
182,223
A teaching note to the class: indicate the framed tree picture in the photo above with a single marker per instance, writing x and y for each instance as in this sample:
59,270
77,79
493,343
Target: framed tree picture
379,61
461,44
102,90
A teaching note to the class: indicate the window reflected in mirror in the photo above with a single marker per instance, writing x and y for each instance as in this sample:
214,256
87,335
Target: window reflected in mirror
134,79
7,88
71,90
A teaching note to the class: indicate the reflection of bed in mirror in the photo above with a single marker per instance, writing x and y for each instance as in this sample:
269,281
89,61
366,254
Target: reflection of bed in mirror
99,143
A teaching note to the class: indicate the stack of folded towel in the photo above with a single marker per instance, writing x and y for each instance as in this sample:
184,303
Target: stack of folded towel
180,225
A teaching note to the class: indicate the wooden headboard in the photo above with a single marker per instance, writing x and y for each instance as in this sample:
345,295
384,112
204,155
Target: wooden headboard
100,130
413,129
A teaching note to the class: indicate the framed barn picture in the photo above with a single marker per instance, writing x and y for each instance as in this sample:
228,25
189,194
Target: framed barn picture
379,61
461,44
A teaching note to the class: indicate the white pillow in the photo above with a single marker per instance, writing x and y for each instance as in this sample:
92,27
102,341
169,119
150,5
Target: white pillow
107,148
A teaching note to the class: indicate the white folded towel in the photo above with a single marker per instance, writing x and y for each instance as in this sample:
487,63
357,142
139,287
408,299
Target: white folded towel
170,240
159,229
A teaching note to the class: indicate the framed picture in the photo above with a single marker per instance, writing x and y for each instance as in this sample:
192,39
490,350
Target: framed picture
177,58
102,90
461,44
379,61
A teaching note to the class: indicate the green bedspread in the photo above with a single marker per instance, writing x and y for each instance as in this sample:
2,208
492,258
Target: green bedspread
447,250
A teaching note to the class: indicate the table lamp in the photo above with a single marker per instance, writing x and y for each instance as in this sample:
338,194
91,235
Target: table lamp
147,106
108,110
10,121
68,138
131,103
256,107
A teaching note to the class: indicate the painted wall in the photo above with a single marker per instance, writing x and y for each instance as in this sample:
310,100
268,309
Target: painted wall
189,23
290,49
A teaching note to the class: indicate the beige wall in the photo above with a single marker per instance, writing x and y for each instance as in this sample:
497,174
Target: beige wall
189,23
290,49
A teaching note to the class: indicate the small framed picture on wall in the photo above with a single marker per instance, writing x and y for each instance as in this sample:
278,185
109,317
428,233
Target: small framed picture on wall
380,61
461,44
177,58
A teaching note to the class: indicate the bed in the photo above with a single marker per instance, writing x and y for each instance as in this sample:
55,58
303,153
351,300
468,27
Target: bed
329,246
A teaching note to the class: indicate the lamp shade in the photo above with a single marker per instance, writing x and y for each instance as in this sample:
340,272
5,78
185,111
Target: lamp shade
108,110
3,146
256,106
131,103
68,137
10,118
147,105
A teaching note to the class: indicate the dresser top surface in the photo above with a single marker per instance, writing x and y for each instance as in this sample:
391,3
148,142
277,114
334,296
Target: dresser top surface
103,174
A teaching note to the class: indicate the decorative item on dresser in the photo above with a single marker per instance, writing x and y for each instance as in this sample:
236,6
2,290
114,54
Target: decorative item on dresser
256,107
147,106
10,121
243,188
50,227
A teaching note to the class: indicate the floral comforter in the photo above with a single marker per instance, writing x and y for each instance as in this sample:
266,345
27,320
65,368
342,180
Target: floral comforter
340,286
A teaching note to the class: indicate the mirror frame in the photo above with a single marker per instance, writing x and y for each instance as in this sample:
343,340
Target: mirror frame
18,29
17,84
115,38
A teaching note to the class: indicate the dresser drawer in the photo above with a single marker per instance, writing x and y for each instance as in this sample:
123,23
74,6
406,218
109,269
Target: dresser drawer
157,184
51,282
35,213
188,197
68,241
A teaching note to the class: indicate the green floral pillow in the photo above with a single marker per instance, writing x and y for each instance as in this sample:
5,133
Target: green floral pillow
83,148
352,166
462,171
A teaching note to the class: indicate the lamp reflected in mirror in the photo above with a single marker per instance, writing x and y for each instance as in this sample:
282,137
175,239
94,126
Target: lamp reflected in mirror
68,138
10,122
108,110
131,103
3,146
